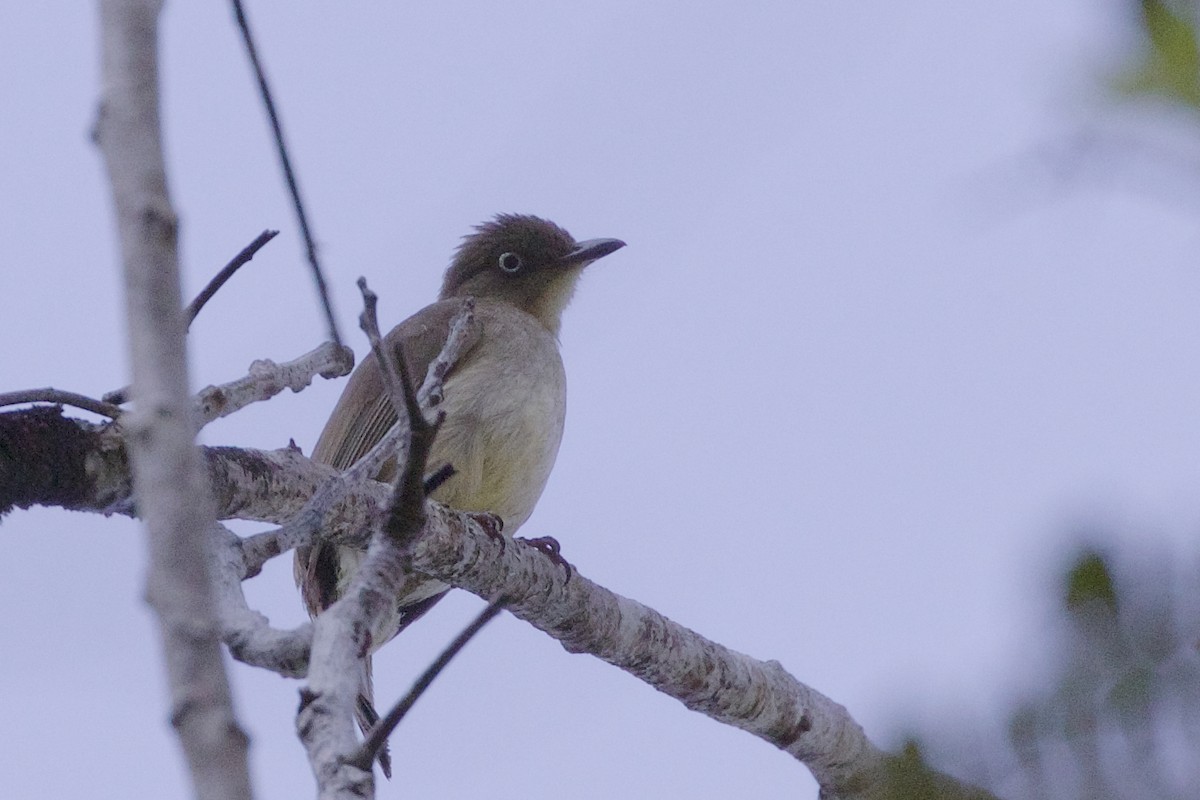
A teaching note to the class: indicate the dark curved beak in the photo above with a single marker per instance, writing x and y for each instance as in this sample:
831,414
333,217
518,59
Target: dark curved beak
588,251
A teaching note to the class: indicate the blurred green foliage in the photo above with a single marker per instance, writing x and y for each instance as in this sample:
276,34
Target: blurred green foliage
1120,719
910,777
1169,62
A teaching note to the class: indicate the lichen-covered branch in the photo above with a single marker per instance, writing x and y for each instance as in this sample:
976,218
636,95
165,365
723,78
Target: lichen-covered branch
47,459
246,632
265,379
757,696
342,633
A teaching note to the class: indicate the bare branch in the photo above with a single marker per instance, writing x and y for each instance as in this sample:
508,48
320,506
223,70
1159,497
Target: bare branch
393,369
267,379
343,633
274,485
51,395
312,500
218,280
173,497
285,161
48,459
315,513
326,510
757,696
120,396
342,638
731,688
377,738
406,514
246,632
464,333
299,531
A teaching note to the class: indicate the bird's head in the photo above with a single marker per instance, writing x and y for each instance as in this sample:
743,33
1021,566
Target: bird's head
524,260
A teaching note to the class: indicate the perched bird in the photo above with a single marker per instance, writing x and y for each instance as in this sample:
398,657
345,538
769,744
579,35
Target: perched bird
505,400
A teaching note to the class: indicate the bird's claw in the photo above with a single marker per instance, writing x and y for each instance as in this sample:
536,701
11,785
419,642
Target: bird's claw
492,525
551,549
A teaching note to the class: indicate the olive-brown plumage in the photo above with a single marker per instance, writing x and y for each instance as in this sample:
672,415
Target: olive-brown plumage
505,398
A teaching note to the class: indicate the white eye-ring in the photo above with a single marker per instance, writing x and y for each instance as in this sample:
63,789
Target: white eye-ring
510,262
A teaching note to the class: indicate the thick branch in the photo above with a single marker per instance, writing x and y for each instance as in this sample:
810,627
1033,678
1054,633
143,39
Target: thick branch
47,459
343,633
759,697
172,492
246,632
265,379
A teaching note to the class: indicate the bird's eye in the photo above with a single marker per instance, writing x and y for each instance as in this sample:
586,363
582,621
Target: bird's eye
510,262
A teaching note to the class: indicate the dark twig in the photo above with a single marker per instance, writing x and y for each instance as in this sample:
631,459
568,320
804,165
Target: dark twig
368,321
437,478
119,396
273,115
464,334
406,509
51,395
406,515
378,736
305,523
226,273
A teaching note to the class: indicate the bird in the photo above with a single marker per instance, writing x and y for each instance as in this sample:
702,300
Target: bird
504,403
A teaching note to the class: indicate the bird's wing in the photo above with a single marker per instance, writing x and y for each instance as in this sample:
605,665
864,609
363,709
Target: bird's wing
363,414
350,434
361,418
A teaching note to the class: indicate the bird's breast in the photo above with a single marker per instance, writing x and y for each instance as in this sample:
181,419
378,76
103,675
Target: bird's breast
505,407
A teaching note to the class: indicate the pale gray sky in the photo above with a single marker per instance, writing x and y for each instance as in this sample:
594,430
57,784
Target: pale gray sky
864,362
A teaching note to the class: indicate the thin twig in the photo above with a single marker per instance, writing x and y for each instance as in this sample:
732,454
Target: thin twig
406,515
438,477
119,396
342,634
52,395
464,333
306,522
226,273
273,115
368,321
377,738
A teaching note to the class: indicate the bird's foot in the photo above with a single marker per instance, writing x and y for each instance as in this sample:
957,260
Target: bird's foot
551,549
492,525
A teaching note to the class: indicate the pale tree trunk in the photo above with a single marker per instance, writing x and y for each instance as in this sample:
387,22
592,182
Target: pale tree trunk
170,485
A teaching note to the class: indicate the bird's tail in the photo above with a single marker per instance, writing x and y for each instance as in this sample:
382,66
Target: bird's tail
368,717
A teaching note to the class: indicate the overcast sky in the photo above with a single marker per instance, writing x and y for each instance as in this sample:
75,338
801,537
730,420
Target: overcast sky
880,341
